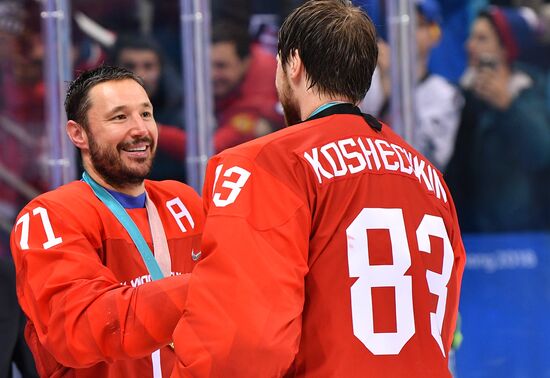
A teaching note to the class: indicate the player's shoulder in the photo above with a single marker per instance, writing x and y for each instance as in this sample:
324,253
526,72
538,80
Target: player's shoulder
392,137
66,195
171,188
286,138
70,200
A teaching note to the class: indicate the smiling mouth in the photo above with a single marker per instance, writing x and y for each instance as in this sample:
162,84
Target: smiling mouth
136,149
140,153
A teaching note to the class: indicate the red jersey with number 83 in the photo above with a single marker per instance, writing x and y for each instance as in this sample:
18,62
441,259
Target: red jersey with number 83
333,251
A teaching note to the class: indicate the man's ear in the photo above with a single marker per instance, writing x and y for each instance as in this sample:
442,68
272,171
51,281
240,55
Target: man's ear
77,134
295,66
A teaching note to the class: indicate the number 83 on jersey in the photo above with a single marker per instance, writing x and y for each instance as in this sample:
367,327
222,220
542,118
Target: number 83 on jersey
372,276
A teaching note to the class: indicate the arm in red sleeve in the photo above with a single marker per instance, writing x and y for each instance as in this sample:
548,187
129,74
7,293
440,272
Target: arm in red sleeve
244,311
82,314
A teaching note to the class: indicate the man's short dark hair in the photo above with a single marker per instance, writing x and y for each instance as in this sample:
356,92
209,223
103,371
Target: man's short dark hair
336,42
227,31
77,101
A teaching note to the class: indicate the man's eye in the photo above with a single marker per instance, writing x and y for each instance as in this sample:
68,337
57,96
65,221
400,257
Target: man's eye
119,117
147,114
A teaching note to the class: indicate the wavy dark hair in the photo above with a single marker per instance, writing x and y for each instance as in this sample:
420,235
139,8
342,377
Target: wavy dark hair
336,42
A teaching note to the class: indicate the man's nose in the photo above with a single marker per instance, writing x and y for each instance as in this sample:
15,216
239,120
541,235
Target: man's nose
139,126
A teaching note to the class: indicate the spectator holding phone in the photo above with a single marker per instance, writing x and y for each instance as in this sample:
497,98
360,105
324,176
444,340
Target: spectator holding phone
503,143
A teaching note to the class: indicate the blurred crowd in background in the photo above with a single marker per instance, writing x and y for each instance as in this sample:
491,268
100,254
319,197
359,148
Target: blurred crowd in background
482,98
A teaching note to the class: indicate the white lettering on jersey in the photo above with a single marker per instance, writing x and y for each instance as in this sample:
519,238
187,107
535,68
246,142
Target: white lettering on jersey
401,152
420,173
370,153
370,276
313,159
351,156
361,163
25,219
235,186
339,169
385,154
180,213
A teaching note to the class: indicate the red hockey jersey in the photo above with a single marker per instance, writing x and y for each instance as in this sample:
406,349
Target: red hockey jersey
333,250
91,306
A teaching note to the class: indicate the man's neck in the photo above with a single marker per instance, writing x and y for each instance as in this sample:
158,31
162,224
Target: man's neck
128,201
312,103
